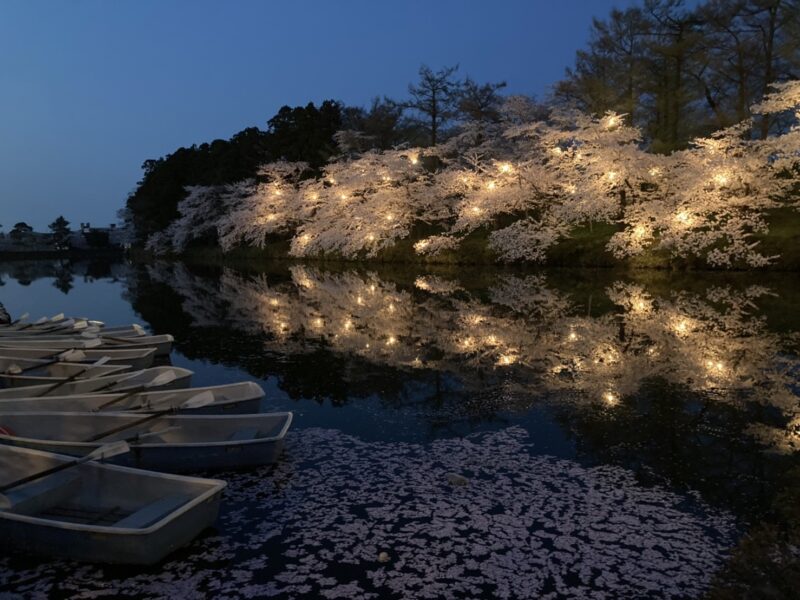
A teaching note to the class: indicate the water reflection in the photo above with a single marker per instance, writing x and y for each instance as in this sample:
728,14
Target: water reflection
519,329
690,385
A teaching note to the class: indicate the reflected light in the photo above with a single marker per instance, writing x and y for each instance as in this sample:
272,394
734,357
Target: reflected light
610,398
507,359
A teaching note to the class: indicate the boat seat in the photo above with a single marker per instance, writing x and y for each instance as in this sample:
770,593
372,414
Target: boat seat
37,495
155,511
248,433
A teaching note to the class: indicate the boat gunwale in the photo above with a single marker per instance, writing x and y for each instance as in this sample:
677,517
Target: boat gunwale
247,398
287,415
216,486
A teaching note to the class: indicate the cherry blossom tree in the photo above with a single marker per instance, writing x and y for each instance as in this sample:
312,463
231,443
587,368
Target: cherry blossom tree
528,182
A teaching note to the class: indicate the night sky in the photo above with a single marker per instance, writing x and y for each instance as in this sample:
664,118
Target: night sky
90,89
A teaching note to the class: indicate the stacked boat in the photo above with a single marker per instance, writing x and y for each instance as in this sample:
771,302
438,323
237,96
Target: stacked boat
83,410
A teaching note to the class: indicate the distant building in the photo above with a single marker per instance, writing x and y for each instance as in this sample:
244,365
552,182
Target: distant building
85,237
100,237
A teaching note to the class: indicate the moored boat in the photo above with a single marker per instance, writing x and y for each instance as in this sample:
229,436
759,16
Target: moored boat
137,358
233,398
169,442
161,343
98,512
26,372
172,377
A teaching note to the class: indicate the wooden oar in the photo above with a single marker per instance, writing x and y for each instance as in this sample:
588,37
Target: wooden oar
197,401
104,451
67,325
87,345
136,439
131,376
22,317
72,355
73,377
163,379
36,322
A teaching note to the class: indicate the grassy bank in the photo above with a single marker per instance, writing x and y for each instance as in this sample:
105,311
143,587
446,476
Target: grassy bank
585,247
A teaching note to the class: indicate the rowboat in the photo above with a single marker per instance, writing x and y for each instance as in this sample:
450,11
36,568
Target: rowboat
71,327
137,359
162,343
38,372
235,398
121,382
98,512
172,443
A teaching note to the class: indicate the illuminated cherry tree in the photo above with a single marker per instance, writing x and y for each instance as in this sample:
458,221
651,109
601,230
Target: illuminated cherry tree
528,184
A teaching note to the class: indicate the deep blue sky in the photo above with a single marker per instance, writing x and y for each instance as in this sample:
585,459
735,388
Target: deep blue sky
89,89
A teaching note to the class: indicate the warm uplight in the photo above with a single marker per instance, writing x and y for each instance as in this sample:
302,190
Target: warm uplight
305,238
274,302
370,238
715,367
318,323
610,398
348,325
504,167
476,210
655,172
421,245
359,300
572,336
414,158
391,307
491,185
391,341
389,217
681,326
612,176
343,196
492,340
721,179
571,188
506,359
612,121
331,180
639,231
684,218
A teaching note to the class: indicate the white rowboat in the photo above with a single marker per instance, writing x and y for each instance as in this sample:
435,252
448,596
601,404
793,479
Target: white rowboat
234,398
172,443
101,513
112,383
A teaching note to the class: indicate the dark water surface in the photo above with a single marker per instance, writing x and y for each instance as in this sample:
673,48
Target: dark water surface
613,434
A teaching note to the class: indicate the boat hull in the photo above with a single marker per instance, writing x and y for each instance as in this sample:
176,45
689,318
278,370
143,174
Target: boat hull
231,399
202,443
133,547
